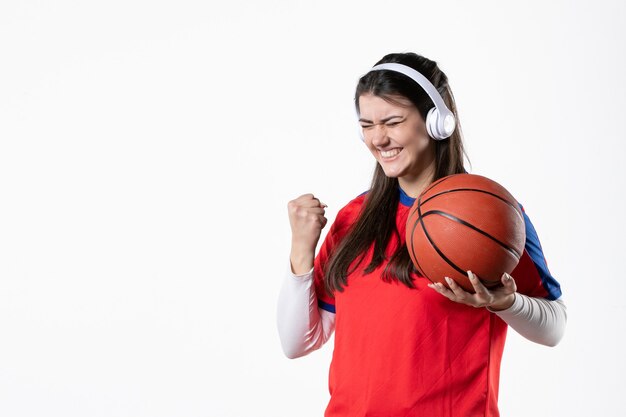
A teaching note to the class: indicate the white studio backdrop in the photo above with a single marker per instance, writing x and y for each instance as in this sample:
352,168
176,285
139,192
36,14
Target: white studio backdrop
148,151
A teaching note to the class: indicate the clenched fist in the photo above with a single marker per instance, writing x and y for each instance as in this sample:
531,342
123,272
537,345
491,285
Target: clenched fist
306,217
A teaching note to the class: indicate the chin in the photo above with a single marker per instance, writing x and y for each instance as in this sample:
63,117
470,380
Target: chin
393,170
392,174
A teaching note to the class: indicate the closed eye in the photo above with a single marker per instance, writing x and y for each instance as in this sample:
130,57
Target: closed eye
394,123
391,121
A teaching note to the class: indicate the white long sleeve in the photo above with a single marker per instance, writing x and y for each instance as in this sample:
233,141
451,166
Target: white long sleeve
302,326
537,319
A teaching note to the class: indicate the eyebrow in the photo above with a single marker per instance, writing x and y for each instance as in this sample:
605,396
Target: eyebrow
385,120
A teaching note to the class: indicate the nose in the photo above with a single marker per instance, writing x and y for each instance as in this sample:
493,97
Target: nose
379,135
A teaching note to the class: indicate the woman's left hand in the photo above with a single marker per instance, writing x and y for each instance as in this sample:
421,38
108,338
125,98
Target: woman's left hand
497,299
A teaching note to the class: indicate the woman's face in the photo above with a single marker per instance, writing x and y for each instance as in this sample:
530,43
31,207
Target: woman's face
396,135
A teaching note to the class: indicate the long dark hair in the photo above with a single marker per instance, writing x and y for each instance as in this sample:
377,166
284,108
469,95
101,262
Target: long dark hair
377,220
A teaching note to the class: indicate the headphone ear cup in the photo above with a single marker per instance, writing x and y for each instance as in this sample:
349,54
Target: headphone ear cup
436,127
431,123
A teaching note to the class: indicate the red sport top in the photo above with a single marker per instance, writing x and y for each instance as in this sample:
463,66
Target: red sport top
412,352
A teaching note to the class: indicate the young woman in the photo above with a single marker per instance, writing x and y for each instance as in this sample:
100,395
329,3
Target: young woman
403,345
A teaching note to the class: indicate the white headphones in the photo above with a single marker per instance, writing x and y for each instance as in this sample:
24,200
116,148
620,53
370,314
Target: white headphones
440,121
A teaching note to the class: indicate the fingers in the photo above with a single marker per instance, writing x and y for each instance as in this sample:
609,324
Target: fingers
509,283
456,288
306,218
497,299
306,206
309,213
314,202
309,200
322,220
441,289
315,210
479,288
456,293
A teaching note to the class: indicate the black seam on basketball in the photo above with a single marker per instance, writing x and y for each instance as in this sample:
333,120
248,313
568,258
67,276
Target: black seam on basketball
517,209
418,266
421,221
439,181
486,283
452,217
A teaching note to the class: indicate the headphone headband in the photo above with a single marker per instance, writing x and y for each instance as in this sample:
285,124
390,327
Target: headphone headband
440,121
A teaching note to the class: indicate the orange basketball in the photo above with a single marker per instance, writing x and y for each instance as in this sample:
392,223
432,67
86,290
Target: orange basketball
465,222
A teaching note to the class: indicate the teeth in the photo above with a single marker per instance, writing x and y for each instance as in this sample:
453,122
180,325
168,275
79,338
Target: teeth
391,153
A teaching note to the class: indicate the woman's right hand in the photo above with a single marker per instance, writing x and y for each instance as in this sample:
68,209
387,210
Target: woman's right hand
306,217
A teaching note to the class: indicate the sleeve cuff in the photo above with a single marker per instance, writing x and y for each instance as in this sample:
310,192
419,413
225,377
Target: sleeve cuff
515,308
304,276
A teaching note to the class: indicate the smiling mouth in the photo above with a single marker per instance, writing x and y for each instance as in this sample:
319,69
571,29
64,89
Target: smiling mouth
390,153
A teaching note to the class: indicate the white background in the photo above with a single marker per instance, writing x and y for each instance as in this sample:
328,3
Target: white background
148,150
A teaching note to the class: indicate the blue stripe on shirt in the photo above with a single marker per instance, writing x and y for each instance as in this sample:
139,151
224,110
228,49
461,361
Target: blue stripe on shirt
326,306
533,247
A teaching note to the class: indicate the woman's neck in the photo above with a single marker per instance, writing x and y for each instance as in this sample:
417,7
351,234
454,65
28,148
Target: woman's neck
413,185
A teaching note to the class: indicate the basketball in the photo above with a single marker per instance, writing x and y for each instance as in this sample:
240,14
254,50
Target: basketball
465,222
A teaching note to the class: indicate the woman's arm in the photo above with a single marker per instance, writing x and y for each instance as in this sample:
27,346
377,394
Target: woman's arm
302,326
537,319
